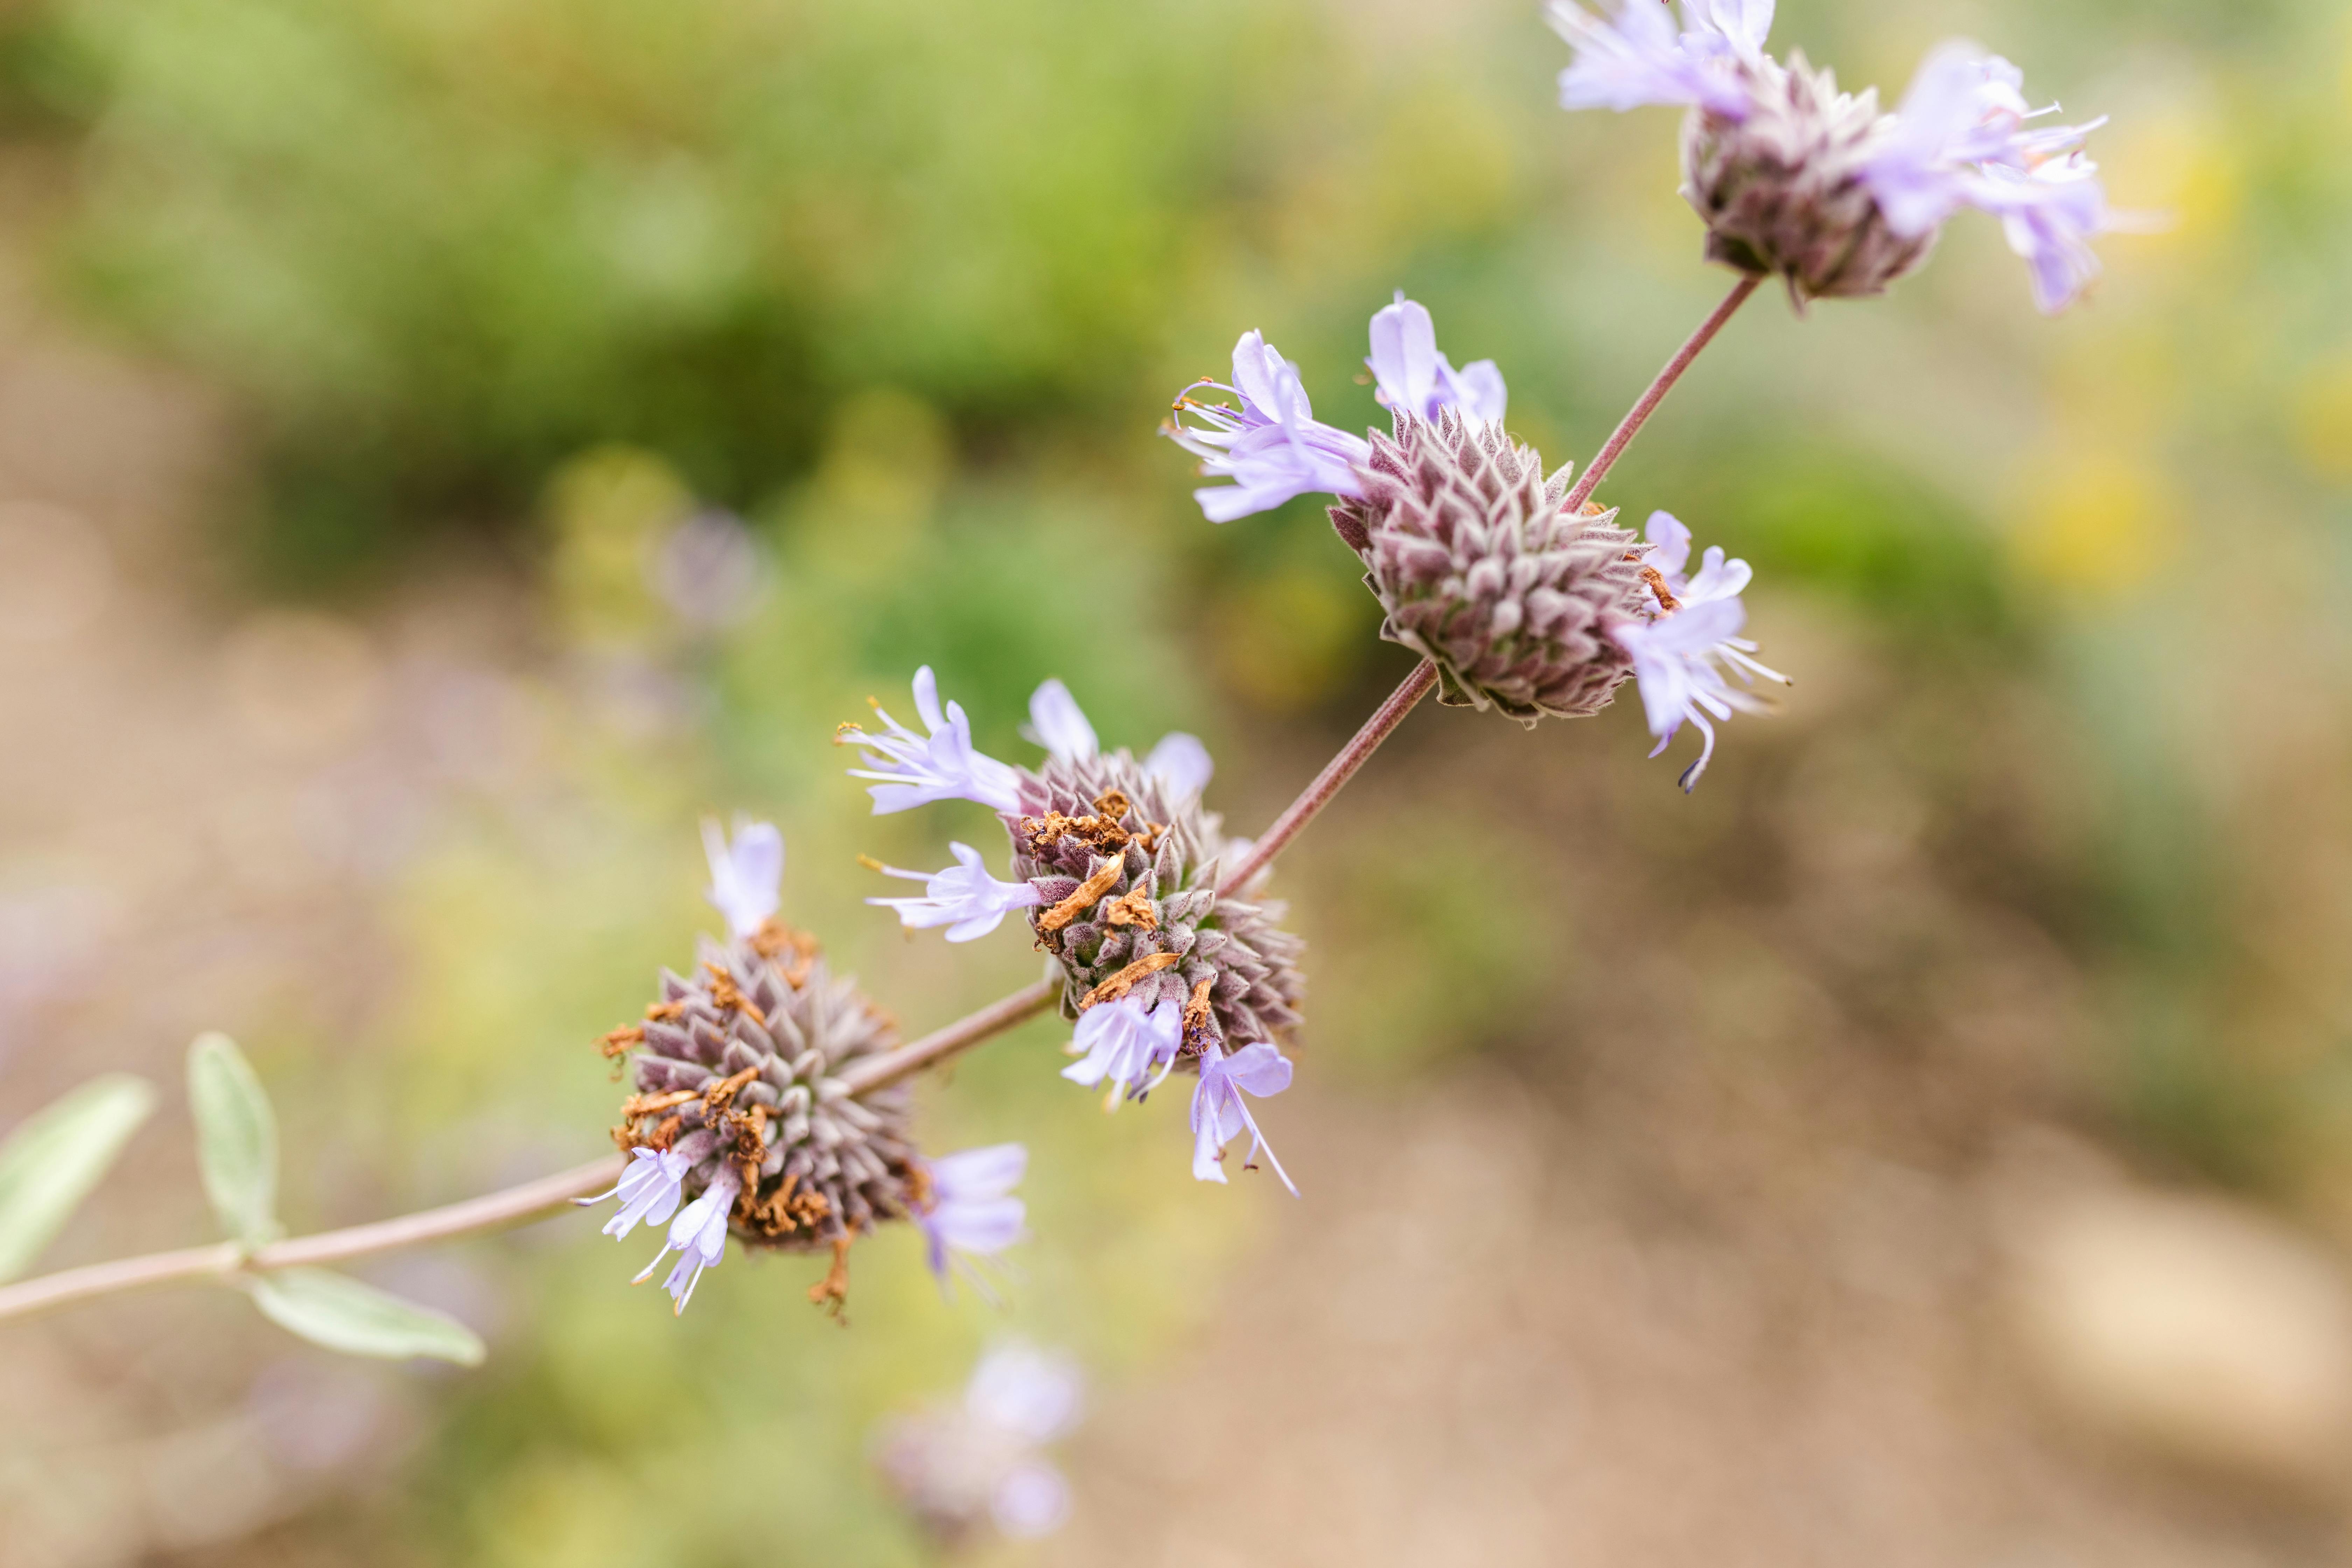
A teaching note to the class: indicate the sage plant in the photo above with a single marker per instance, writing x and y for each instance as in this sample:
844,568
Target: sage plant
768,1107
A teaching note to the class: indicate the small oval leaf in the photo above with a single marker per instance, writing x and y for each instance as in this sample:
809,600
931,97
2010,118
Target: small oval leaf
237,1139
339,1312
52,1161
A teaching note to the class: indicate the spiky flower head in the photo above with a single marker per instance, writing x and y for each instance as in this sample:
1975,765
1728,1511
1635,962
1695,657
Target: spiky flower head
1780,187
1484,572
1127,870
1797,179
741,1112
1121,873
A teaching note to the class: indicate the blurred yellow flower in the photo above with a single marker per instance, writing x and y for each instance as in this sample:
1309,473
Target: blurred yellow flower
2095,523
2323,420
604,508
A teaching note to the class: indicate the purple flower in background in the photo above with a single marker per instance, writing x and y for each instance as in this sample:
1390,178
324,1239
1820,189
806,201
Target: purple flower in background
1965,137
1122,1042
1057,723
2050,213
1272,446
1024,1390
1638,57
972,1211
964,898
698,1236
958,1465
1797,178
1220,1114
746,877
709,571
1413,377
917,770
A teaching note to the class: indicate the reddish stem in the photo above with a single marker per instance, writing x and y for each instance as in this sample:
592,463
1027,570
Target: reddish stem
1647,404
1334,777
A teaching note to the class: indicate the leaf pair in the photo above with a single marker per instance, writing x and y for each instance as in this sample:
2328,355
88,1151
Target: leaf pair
237,1145
50,1163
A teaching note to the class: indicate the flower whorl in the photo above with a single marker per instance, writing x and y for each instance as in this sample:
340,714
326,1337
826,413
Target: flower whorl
1482,571
1783,189
738,1073
1127,869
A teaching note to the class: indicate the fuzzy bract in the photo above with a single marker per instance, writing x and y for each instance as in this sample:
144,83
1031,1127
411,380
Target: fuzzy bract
1481,569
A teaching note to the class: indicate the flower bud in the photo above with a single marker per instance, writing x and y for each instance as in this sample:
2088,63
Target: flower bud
1484,572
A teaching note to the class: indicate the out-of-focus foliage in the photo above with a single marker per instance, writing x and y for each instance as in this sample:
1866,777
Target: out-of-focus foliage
908,286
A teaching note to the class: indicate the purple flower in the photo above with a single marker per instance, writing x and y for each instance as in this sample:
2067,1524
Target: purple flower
964,898
1032,1501
1414,376
1182,763
1030,1393
2050,213
1272,446
1638,57
1670,545
1220,1114
698,1236
955,1466
747,876
917,770
1057,723
1122,1042
972,1212
648,1189
1682,656
1964,137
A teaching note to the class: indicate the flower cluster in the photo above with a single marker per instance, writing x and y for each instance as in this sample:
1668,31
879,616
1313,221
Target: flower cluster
1523,606
1797,179
1166,966
977,1461
742,1114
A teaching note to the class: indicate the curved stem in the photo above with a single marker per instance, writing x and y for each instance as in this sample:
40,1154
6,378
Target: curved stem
909,1059
1334,777
224,1259
494,1211
1647,404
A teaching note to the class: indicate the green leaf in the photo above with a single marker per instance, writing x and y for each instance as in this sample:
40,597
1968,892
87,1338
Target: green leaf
339,1312
52,1160
237,1139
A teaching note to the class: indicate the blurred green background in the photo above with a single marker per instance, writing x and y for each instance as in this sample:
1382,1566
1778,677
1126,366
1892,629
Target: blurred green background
482,302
